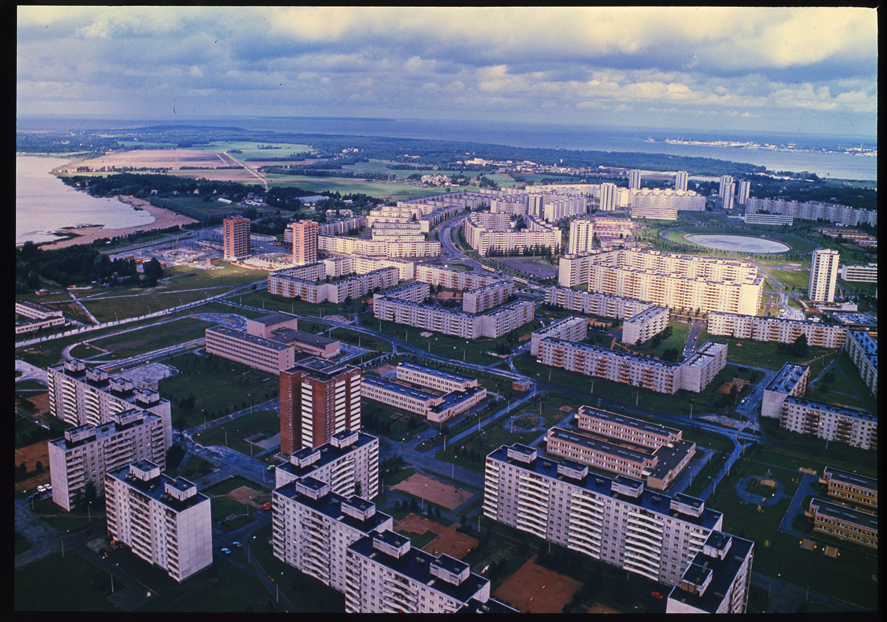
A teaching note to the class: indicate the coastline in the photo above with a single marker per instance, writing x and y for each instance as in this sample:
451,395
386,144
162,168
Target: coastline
163,218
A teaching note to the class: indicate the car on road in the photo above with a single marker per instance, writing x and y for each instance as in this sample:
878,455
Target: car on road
41,488
238,545
226,551
266,506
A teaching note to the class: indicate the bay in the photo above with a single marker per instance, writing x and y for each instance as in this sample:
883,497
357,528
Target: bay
44,204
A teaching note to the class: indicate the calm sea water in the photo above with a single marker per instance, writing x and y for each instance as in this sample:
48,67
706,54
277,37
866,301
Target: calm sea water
44,204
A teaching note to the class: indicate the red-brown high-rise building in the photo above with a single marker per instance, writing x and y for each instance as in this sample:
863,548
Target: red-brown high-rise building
304,242
236,237
318,398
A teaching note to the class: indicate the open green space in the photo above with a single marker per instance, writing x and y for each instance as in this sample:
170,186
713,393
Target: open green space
26,432
155,337
677,339
396,190
20,544
65,521
307,594
796,245
849,577
219,387
359,339
62,582
221,587
234,433
398,425
765,353
418,540
196,467
799,278
250,149
805,450
849,382
395,475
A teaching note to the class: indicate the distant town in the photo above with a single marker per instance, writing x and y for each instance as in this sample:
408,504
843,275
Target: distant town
344,375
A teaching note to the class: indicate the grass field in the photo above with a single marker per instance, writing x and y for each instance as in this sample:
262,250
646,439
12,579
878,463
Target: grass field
764,353
57,582
791,278
151,338
265,422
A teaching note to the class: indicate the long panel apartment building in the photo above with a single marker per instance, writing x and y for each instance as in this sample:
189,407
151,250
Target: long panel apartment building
694,374
813,211
385,574
312,526
614,520
594,303
774,329
571,328
348,463
354,246
493,323
164,520
641,327
862,346
79,395
283,283
87,452
436,408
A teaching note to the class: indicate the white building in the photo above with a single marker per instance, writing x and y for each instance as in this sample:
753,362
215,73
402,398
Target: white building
634,180
680,180
791,380
641,327
862,347
165,521
594,303
860,274
744,192
614,520
570,328
85,453
581,236
774,329
79,395
839,214
608,197
823,274
493,324
313,526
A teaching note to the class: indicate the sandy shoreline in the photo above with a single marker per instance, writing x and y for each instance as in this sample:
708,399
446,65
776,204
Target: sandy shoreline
163,218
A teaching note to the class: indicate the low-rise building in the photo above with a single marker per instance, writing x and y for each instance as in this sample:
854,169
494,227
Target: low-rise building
844,523
36,310
860,274
164,520
718,578
436,408
856,428
87,452
851,487
433,378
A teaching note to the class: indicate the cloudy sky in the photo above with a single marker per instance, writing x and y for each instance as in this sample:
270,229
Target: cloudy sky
795,69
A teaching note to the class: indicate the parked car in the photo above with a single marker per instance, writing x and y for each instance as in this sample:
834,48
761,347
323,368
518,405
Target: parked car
266,506
226,551
238,545
41,488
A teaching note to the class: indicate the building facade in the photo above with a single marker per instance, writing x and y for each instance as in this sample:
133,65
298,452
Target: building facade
823,274
572,328
641,327
86,453
595,303
844,523
851,487
780,330
860,274
862,347
318,399
235,238
680,180
493,323
164,520
304,235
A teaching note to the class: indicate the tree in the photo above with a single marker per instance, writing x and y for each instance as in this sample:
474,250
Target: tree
799,347
153,272
38,467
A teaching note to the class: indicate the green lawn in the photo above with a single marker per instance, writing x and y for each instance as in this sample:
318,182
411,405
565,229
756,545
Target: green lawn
799,278
196,467
20,544
154,337
805,450
765,354
219,387
57,582
264,422
419,540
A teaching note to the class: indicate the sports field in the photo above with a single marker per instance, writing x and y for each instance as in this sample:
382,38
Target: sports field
434,491
534,589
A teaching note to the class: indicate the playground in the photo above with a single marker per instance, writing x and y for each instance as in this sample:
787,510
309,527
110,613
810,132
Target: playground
534,589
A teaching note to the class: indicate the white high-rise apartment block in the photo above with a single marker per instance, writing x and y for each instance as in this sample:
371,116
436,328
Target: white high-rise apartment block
86,453
744,192
79,395
608,197
313,526
726,182
729,196
614,520
165,521
581,236
680,180
384,574
634,180
718,578
823,274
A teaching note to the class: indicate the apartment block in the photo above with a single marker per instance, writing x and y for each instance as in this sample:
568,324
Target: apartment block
839,214
614,520
314,292
718,578
678,281
744,192
572,328
680,180
487,296
354,246
36,311
304,236
694,374
791,380
385,574
862,346
348,463
844,523
768,219
774,329
86,453
581,236
79,395
454,279
847,486
164,520
268,355
235,238
634,179
641,327
318,399
494,323
860,274
412,292
823,274
665,203
486,232
311,528
853,427
594,303
433,378
607,197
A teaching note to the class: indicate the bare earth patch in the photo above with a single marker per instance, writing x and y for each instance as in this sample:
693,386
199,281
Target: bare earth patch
433,490
534,589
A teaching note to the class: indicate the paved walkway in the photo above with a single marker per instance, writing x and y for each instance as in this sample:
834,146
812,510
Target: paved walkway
745,495
795,507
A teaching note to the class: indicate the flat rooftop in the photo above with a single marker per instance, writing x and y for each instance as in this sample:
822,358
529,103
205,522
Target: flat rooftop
317,365
787,378
615,354
629,422
330,505
832,408
443,375
155,488
846,515
328,453
723,573
273,319
852,479
270,344
398,388
601,486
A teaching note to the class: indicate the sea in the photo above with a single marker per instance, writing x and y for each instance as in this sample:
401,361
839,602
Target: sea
32,206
